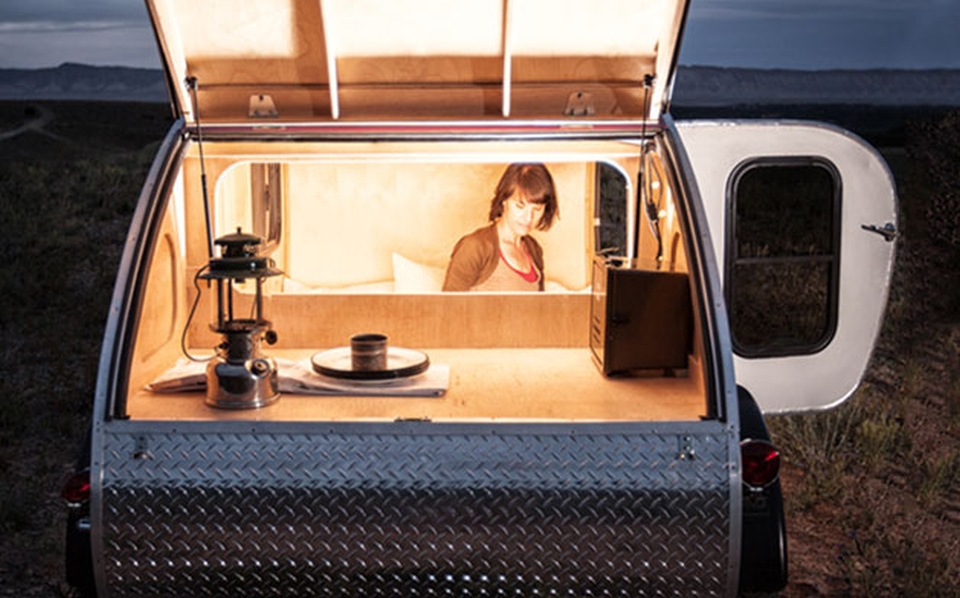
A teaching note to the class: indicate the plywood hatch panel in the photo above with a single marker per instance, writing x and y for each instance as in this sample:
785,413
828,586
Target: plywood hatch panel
365,60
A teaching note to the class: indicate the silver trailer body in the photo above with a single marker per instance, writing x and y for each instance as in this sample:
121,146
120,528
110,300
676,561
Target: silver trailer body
560,480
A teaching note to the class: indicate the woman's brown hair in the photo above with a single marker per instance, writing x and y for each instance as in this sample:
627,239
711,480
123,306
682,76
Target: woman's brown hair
534,184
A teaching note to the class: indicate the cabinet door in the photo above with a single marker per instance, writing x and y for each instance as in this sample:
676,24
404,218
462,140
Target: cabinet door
802,218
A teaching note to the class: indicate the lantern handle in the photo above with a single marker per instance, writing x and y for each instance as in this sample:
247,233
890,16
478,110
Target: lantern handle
193,309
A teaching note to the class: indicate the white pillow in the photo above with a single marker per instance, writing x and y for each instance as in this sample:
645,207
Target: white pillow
411,277
552,286
291,285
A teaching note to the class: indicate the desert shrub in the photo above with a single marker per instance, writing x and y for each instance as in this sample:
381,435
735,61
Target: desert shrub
878,439
941,478
65,224
815,438
816,443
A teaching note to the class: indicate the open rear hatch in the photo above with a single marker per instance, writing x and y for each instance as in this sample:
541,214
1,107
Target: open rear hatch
368,61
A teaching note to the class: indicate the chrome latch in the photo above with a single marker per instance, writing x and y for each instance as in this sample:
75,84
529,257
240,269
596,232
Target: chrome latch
141,449
888,231
686,451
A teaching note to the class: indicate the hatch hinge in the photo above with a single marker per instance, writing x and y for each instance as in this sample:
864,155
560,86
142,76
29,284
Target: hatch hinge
262,106
580,103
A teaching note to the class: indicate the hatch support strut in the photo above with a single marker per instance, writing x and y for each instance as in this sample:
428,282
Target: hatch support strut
652,210
192,85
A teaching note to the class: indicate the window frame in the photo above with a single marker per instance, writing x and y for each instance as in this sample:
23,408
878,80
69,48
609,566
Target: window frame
266,203
833,259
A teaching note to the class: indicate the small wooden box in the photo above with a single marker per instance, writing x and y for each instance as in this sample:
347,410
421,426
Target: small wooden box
639,319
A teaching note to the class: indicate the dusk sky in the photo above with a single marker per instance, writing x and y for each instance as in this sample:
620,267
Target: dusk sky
797,34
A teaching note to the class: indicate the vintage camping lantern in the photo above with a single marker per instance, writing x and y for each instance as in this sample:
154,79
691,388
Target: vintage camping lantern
241,376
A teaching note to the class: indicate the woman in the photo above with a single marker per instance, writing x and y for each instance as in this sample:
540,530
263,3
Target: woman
502,256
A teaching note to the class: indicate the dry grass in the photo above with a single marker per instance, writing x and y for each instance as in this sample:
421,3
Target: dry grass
66,204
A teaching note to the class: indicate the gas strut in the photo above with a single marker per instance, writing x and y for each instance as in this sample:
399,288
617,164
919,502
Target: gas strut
192,85
653,216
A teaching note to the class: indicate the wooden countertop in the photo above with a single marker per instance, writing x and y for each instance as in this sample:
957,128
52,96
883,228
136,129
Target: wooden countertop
535,385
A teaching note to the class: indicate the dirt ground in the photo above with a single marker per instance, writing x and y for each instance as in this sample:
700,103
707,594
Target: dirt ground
878,534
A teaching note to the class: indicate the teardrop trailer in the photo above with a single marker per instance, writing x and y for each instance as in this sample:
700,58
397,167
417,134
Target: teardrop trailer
602,437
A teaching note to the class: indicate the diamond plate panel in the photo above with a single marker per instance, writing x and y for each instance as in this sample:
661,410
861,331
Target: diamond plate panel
416,514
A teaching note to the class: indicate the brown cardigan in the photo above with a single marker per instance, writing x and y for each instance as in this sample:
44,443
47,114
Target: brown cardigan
475,257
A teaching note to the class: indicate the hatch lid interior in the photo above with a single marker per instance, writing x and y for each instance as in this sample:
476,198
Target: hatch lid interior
419,60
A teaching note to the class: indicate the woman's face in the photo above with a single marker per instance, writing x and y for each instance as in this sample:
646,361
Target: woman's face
521,216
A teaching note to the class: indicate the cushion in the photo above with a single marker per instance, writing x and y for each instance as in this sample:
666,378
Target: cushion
412,277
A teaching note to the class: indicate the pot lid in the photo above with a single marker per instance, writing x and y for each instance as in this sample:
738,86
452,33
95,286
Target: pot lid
418,60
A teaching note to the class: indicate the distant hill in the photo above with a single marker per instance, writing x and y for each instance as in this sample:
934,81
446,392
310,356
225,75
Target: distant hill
694,86
71,81
717,86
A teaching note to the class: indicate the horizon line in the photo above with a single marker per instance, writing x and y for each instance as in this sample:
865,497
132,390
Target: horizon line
681,66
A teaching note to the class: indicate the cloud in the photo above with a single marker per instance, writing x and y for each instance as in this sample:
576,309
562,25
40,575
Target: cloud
68,11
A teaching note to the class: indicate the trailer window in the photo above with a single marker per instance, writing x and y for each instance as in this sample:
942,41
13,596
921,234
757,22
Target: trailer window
784,257
610,224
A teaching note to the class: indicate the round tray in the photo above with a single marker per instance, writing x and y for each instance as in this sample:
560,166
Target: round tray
401,363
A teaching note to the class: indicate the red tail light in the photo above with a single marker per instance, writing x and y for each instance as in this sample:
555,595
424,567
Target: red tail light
76,490
761,463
